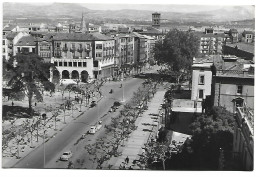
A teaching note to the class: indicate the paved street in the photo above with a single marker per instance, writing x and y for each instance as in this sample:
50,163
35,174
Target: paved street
65,139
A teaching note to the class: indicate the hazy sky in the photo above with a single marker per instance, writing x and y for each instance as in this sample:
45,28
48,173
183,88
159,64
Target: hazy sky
151,5
159,7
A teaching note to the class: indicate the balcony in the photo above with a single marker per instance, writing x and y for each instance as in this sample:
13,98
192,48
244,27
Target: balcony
87,49
65,49
80,50
72,50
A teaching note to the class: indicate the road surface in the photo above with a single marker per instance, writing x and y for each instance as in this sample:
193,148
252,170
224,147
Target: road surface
46,155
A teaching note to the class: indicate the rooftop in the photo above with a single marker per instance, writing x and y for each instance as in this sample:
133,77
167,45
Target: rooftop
202,34
247,47
9,27
151,30
79,37
11,35
227,66
26,41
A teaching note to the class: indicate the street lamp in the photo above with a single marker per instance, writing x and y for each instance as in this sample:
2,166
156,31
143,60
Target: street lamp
44,117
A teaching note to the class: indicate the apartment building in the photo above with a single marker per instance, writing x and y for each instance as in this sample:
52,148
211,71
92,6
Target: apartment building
82,56
233,82
228,81
210,43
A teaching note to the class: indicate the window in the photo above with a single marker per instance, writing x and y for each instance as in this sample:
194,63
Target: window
60,63
201,79
201,94
79,64
99,54
75,64
55,63
65,63
58,44
99,46
84,64
3,50
95,63
70,63
3,42
73,46
239,89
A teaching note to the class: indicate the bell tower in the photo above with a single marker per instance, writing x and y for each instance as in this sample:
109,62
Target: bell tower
156,20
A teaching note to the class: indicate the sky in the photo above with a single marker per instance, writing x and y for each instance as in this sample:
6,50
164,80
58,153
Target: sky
159,7
151,5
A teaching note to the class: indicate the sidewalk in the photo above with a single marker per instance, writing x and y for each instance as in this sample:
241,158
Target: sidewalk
147,127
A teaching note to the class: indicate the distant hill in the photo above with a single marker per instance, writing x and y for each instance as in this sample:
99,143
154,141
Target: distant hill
231,13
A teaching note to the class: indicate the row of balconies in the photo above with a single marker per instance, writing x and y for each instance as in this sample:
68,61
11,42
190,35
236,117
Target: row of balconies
65,49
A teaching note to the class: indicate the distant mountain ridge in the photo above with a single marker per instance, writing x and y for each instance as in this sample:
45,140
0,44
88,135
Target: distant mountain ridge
75,11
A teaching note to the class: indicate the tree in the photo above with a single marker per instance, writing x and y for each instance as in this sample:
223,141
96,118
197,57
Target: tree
176,51
28,76
210,133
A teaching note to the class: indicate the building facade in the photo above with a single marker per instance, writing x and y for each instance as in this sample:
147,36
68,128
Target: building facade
82,56
243,140
201,79
233,83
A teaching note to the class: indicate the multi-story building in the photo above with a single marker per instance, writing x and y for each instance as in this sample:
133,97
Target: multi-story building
231,36
201,78
210,42
104,54
243,139
82,56
248,36
227,80
10,40
125,48
44,45
4,48
25,44
233,82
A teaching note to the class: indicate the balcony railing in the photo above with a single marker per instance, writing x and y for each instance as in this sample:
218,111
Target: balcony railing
65,49
72,49
80,50
237,73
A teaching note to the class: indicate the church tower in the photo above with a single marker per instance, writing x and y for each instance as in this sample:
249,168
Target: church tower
83,27
156,20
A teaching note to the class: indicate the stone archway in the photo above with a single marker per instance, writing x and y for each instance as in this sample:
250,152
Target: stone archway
74,74
65,74
56,77
84,76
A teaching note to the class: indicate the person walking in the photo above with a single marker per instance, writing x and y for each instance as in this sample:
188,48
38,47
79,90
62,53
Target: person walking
127,160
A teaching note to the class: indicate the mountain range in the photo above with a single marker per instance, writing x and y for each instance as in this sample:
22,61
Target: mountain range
224,13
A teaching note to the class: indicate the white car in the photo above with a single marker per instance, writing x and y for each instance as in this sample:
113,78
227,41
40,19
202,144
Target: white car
92,130
66,155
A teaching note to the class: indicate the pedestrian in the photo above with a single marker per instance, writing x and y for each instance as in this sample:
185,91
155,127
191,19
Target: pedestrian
35,104
127,160
12,103
130,168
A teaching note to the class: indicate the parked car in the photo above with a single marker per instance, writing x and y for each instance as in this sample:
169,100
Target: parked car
92,130
66,155
93,104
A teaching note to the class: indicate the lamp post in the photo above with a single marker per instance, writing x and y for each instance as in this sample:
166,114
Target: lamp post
44,117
